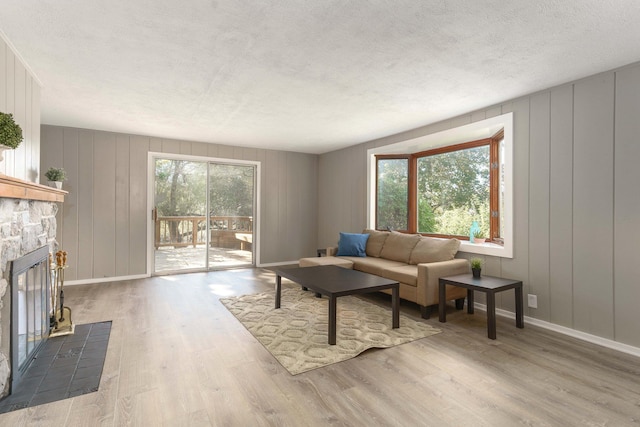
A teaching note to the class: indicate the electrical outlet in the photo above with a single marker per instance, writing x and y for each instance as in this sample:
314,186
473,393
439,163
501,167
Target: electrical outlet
533,301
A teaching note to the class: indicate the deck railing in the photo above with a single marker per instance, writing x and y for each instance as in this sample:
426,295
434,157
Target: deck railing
182,231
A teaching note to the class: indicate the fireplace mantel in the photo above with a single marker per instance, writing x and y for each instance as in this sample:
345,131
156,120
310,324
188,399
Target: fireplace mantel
15,188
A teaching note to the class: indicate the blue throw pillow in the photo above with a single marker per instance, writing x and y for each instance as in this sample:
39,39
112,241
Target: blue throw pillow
351,244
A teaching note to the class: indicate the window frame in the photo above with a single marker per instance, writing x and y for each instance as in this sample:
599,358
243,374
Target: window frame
412,182
481,129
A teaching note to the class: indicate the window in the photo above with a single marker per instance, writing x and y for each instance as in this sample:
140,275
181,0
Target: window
439,184
454,189
392,196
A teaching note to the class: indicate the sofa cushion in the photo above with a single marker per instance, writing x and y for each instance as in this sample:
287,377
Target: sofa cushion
372,265
398,246
325,260
407,274
375,242
430,249
352,244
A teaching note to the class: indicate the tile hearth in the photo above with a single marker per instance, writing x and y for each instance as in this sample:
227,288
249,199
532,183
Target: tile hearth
65,367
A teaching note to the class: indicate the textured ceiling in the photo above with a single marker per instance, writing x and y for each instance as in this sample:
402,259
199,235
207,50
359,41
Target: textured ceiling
304,75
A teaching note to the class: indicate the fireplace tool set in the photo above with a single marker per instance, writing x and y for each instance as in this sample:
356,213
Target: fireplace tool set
60,321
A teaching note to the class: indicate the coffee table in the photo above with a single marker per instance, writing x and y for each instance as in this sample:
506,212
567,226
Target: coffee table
334,282
490,286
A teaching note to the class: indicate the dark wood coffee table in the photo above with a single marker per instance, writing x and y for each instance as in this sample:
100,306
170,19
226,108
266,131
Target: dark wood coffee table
334,282
490,286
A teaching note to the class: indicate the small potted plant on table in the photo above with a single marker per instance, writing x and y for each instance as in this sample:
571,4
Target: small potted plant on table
476,267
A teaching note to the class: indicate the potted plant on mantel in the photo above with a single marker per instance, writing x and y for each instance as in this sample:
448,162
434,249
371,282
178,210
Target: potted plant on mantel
10,133
56,176
476,267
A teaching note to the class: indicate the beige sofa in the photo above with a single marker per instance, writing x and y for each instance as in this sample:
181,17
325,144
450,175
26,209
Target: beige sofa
416,262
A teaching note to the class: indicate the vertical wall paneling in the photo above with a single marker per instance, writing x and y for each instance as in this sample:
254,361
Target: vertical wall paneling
225,152
104,205
199,149
270,231
68,236
27,132
155,145
359,189
627,206
20,96
518,266
35,132
9,155
539,202
561,207
4,51
284,186
122,199
593,206
85,203
185,147
20,116
170,146
138,213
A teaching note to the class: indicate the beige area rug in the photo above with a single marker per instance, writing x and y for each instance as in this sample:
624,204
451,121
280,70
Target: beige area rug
296,334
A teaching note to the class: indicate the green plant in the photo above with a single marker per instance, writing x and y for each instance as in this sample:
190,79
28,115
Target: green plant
56,174
478,234
476,263
10,131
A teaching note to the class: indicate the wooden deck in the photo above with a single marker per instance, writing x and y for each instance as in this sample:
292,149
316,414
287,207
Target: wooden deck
191,258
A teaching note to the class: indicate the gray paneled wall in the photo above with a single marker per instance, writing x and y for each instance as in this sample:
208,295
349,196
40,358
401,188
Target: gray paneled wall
20,96
576,204
103,220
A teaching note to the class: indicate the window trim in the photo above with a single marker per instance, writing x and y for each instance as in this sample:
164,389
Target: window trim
487,128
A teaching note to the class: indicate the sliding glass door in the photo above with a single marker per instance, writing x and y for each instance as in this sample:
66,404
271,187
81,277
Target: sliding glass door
231,202
203,215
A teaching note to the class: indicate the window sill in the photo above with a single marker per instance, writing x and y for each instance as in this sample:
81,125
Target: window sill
490,249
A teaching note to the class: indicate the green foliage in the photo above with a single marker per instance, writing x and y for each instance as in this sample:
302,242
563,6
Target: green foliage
231,190
476,263
426,218
10,131
479,234
56,174
453,191
392,194
180,188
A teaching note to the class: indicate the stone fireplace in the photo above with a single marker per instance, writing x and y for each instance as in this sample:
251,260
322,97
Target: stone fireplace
27,223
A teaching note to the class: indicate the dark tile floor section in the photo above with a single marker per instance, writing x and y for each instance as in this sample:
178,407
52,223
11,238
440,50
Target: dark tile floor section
66,366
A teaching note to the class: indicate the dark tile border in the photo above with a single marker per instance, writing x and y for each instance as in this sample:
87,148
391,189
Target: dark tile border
66,366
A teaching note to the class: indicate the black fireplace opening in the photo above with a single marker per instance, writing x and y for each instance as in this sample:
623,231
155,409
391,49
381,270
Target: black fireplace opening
30,309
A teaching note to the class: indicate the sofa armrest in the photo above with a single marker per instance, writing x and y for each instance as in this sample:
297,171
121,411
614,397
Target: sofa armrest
332,250
428,275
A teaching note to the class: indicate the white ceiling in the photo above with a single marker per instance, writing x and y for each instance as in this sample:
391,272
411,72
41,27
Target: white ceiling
304,75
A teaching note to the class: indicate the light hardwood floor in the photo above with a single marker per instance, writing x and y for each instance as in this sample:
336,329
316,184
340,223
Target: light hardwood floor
177,357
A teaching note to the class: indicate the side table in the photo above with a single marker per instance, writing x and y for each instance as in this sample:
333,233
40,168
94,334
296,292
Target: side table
490,286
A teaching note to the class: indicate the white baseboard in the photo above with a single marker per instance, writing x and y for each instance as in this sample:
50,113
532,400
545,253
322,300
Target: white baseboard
104,280
614,345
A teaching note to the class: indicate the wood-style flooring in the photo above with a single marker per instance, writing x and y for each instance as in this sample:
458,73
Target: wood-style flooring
177,357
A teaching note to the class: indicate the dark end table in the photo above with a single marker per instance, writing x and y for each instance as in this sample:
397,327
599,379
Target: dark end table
490,286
